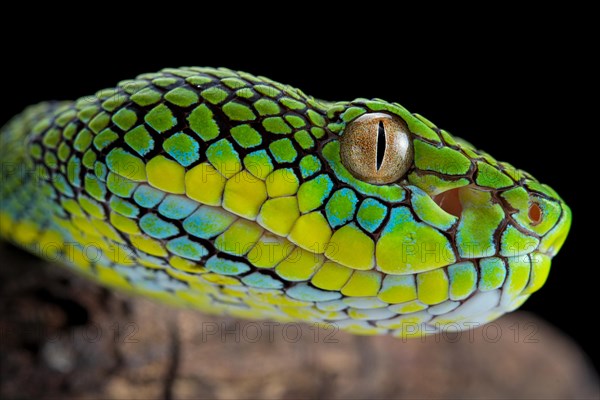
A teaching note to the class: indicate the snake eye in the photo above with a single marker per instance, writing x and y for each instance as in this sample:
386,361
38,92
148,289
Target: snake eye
376,148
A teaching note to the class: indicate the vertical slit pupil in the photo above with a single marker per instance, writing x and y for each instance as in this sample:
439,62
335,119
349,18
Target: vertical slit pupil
380,144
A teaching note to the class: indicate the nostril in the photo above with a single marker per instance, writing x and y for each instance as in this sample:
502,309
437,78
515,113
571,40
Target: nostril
535,214
449,202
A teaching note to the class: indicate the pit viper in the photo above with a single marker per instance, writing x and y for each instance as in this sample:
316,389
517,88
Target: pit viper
235,194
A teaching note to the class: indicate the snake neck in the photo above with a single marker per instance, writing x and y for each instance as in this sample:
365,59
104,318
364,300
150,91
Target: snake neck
24,213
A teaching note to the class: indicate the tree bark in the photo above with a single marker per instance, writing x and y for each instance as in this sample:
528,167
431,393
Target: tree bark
62,336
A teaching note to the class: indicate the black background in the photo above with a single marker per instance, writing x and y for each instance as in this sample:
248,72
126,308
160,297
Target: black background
517,89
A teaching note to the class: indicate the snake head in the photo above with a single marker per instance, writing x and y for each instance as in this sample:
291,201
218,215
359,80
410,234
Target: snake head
437,207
